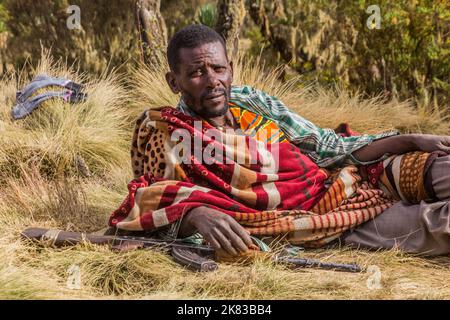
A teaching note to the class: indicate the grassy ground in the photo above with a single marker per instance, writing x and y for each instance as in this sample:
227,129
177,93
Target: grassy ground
66,166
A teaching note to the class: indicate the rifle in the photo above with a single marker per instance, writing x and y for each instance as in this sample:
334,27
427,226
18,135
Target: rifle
193,256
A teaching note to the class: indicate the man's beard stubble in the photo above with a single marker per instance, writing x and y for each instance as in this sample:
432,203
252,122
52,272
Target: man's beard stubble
205,111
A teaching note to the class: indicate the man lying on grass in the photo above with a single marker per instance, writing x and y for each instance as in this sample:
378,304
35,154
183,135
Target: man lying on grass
232,161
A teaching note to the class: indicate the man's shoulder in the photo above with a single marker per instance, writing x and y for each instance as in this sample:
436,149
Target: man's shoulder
238,91
255,100
243,91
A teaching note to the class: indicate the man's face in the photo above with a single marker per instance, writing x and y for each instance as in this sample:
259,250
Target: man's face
204,79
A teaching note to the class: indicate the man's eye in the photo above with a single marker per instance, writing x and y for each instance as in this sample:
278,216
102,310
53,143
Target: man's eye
197,72
219,69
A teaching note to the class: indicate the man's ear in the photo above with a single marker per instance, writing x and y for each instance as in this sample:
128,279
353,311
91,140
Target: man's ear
172,82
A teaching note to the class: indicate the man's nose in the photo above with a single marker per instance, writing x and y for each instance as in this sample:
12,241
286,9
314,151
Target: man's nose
212,79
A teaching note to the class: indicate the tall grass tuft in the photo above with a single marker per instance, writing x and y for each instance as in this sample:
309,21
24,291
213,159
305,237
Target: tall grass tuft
63,138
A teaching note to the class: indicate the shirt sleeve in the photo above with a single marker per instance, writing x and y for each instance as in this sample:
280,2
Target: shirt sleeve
324,146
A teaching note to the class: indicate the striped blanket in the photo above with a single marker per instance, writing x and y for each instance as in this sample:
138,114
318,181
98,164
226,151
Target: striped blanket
270,189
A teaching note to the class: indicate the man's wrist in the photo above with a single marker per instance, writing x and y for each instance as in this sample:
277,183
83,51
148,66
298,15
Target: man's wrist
410,140
402,143
193,214
188,226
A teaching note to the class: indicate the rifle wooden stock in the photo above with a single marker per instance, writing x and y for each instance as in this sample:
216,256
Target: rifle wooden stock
59,238
195,257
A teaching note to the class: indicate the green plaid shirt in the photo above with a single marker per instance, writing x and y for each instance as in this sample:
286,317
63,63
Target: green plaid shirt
323,146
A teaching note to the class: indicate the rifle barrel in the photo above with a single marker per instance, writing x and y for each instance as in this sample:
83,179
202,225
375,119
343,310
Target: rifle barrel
311,263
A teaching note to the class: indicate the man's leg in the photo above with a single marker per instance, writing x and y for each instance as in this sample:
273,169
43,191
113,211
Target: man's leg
440,174
415,228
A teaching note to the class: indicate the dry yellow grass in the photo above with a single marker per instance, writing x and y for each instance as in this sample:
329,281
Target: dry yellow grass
40,185
56,138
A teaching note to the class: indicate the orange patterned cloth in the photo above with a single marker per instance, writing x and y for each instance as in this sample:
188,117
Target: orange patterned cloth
257,126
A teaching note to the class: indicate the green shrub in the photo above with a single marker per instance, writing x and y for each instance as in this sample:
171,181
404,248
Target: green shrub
107,36
409,56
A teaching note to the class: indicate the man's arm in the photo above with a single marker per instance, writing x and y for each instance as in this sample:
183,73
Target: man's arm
326,148
402,144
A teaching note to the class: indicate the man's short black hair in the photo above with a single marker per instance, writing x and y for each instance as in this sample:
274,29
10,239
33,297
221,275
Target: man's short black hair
191,36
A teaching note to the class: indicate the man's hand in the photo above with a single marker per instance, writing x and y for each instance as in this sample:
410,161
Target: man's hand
430,143
217,228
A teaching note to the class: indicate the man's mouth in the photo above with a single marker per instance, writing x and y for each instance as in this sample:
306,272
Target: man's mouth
214,96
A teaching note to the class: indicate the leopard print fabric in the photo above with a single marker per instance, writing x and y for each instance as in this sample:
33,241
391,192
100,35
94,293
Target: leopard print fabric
147,149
